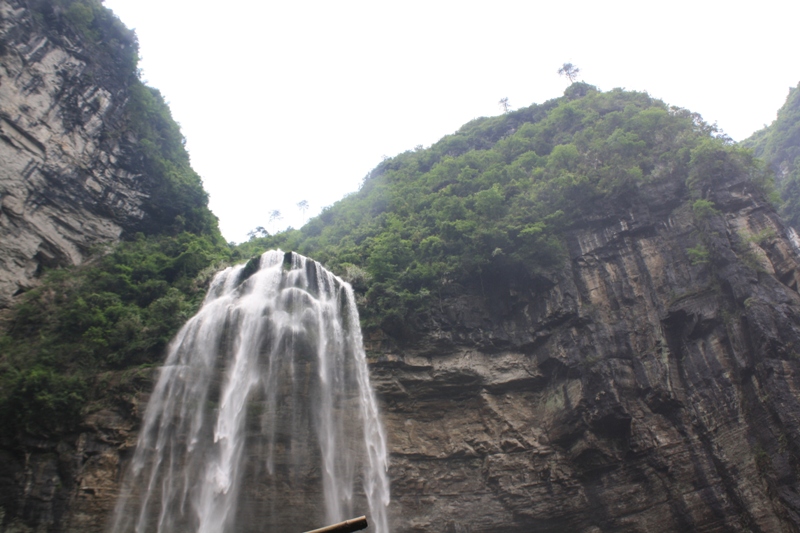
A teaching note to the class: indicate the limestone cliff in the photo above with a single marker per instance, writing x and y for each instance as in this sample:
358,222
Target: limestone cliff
89,155
642,376
632,391
636,389
72,175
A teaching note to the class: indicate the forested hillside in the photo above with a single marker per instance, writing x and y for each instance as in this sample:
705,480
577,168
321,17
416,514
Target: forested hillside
119,308
581,315
779,145
495,198
490,201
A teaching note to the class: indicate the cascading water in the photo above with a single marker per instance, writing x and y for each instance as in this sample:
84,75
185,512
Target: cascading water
263,418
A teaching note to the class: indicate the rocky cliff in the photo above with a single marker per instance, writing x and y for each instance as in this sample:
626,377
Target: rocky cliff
90,155
74,172
632,391
639,388
631,368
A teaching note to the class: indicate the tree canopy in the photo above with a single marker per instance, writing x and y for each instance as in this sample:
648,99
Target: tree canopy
570,71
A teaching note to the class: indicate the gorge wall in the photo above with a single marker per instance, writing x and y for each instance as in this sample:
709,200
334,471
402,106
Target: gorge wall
90,155
75,170
648,382
633,391
630,391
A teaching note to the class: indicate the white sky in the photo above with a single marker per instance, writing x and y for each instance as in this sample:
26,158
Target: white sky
283,101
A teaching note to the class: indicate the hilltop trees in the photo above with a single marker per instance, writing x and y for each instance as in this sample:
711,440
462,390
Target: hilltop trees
275,216
495,199
258,233
570,71
302,205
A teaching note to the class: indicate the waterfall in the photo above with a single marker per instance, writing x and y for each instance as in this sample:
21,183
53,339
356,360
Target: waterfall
263,418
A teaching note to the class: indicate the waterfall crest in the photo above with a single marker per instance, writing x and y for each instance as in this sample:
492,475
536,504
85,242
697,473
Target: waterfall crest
263,418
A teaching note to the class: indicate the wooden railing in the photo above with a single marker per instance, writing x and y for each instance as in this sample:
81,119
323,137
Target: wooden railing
354,524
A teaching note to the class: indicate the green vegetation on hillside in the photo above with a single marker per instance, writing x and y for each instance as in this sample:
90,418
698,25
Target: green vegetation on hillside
112,47
779,145
176,199
494,199
119,309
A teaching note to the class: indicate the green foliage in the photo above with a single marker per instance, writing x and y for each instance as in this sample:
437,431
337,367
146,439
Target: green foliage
495,198
747,245
698,255
112,47
118,310
81,15
789,192
40,401
703,209
762,238
178,201
122,306
716,159
779,145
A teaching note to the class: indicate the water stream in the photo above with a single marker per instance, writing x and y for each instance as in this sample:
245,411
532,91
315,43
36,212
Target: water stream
262,418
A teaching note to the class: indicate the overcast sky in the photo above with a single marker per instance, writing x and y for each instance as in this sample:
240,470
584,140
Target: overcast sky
283,101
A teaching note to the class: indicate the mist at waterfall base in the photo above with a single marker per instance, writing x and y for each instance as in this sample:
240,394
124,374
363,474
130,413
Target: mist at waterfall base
263,418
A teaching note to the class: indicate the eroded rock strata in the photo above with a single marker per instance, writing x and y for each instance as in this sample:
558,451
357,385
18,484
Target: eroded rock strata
68,180
650,384
633,391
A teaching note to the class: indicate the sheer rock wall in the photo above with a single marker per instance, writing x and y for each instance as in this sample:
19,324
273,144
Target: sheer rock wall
640,388
632,391
63,184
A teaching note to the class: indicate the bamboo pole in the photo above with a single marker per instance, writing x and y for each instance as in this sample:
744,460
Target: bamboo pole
354,524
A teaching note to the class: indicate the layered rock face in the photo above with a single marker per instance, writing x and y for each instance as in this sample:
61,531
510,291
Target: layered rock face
71,484
650,385
63,187
642,388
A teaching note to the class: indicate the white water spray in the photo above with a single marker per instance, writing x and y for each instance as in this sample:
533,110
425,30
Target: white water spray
263,418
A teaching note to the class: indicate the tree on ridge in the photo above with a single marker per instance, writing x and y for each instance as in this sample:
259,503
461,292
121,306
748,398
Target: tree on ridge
570,71
504,104
302,205
258,232
274,217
